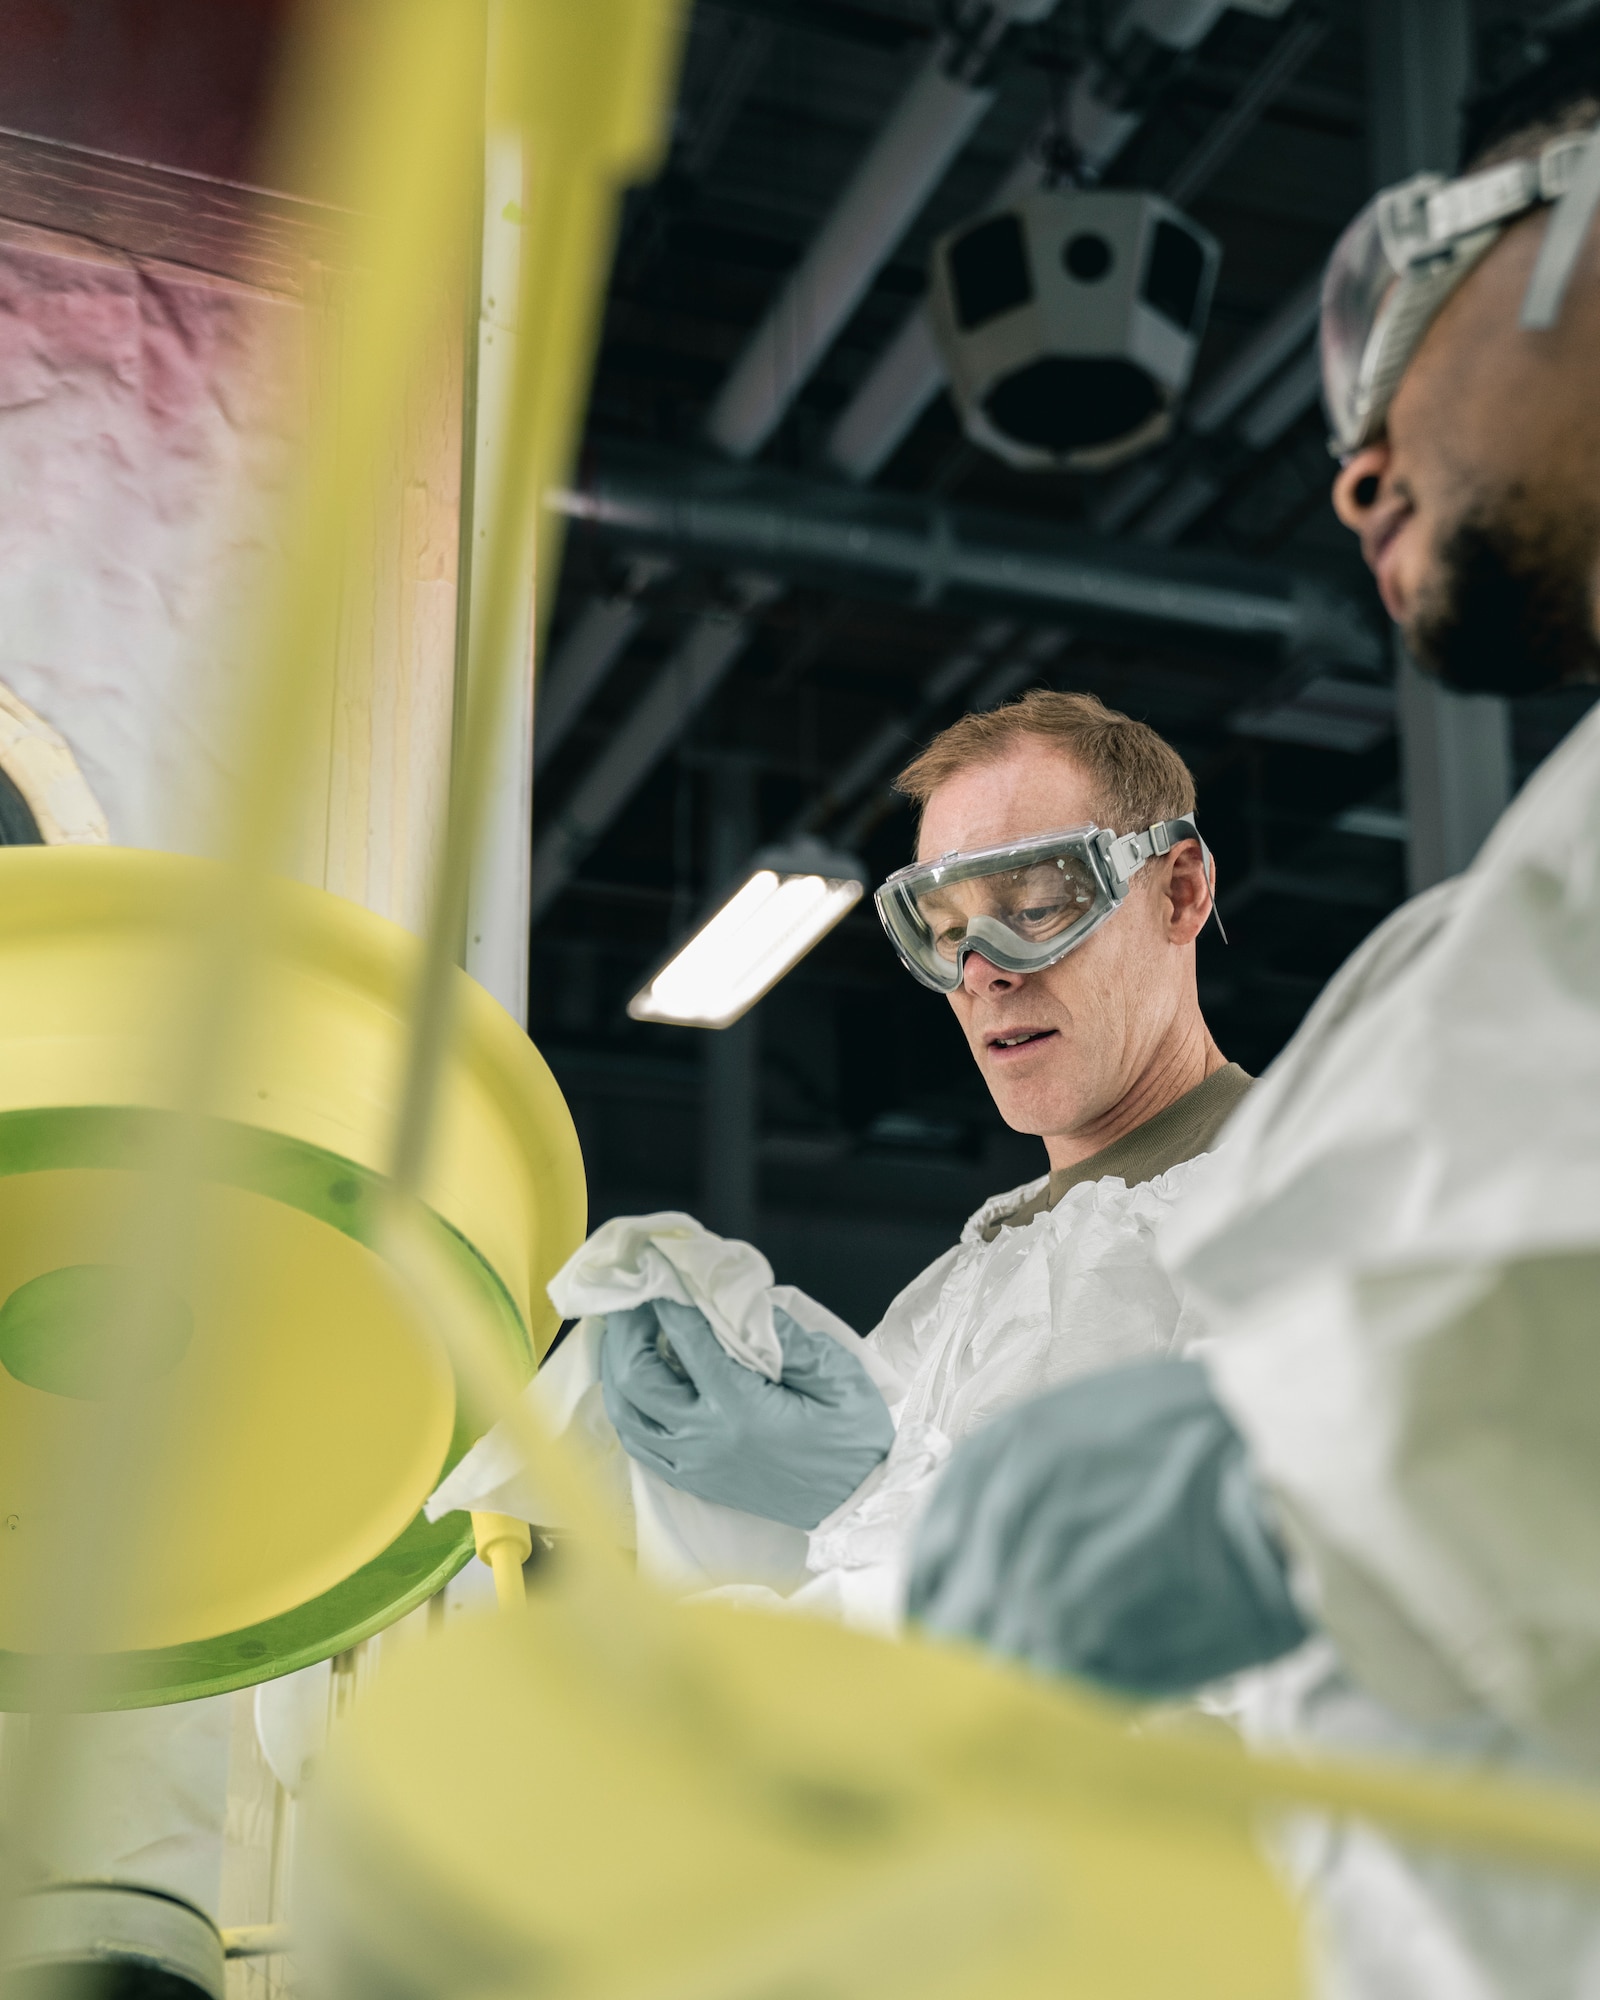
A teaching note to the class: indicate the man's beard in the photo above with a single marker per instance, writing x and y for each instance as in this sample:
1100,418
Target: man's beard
1511,613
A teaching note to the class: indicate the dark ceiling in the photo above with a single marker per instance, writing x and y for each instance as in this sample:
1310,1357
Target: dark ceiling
875,1135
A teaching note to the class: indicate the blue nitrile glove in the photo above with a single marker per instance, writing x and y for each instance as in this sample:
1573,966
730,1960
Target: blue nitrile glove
683,1407
1110,1529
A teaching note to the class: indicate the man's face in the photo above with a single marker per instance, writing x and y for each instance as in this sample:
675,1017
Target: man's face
1061,1047
1479,512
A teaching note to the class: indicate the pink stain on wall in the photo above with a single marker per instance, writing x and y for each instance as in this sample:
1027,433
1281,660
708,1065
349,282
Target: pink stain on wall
147,414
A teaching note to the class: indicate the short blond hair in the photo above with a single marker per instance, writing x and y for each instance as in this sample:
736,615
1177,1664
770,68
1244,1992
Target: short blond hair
1138,777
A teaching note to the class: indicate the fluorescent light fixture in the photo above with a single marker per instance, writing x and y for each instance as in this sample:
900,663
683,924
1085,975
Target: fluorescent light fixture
791,897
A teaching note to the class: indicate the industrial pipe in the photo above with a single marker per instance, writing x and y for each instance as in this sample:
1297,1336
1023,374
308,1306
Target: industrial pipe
811,531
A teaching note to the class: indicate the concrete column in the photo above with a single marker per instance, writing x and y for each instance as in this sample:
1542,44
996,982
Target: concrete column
1455,772
1419,68
1455,750
732,1060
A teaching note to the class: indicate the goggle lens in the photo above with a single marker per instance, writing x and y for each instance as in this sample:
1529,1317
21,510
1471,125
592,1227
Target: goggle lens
1037,903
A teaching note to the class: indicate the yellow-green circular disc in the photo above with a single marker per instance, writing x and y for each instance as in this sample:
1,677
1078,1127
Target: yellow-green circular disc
278,1374
311,1410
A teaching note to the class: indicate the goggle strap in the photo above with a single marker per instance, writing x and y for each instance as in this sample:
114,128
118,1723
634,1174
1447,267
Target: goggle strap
1129,854
1211,884
1460,207
1563,239
1426,215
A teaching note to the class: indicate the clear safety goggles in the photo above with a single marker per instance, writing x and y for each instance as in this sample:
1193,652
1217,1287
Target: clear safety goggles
1022,906
1408,250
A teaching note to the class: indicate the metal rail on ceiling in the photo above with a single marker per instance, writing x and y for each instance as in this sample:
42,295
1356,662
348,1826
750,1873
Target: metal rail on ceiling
807,530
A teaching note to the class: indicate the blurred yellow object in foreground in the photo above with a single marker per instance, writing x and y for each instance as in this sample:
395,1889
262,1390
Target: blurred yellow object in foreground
749,1804
773,1805
310,1404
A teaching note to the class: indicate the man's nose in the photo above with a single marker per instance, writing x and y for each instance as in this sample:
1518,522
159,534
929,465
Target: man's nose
1360,481
980,977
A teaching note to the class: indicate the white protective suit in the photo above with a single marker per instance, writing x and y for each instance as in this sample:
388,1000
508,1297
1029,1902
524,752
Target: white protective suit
1076,1288
1396,1255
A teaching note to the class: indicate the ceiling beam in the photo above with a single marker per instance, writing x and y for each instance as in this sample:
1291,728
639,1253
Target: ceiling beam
903,165
702,659
591,646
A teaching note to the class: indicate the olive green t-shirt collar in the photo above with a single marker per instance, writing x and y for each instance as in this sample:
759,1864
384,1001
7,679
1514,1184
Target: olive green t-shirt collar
1183,1131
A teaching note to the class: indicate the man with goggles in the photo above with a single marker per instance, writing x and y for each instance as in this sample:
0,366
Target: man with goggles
1461,414
1397,1254
1068,959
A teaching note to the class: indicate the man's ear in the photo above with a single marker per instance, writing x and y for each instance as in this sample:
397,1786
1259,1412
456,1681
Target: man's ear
1189,893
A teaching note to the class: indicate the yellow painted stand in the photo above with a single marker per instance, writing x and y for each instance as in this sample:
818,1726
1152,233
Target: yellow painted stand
504,1544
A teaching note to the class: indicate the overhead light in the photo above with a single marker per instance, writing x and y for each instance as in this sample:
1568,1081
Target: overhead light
790,898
